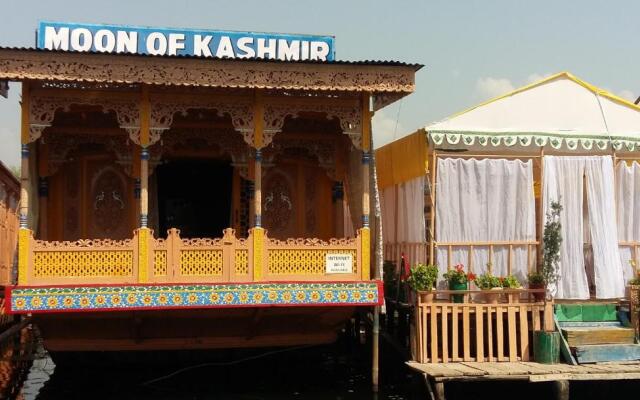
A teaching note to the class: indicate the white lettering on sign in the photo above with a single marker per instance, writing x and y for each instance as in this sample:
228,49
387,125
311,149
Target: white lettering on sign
339,264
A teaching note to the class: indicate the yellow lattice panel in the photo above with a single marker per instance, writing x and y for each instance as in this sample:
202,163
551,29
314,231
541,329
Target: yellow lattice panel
160,262
241,262
201,262
61,264
303,261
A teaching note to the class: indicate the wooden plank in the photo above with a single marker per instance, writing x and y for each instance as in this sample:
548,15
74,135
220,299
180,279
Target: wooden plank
434,333
479,334
584,377
535,317
454,333
607,352
465,332
487,368
490,356
445,334
425,355
524,334
434,370
606,335
499,334
564,347
466,370
512,338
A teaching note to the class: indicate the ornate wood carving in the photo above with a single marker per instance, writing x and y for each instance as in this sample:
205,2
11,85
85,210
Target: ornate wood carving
37,65
109,207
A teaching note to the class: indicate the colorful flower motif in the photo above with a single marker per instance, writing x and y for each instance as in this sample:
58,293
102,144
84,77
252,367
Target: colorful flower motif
192,298
132,299
228,298
370,296
300,295
67,301
315,296
163,299
84,301
214,298
36,301
257,297
328,295
343,296
273,295
52,302
19,303
177,299
286,296
116,299
244,297
356,295
100,300
147,299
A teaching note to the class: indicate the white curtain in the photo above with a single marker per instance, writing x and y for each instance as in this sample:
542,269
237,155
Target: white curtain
485,200
410,210
628,210
564,179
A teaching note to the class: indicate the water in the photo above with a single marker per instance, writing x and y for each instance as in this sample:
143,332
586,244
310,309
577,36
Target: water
338,371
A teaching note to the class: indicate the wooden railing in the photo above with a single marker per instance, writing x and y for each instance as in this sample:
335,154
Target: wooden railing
414,253
144,259
9,194
510,245
479,332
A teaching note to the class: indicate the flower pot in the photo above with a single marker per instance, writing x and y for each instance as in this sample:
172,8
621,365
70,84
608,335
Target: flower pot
546,347
426,296
513,298
492,296
537,296
458,298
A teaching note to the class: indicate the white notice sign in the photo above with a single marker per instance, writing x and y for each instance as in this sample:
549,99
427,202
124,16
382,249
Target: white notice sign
339,263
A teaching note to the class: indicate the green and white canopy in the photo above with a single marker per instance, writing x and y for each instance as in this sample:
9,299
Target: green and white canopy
560,111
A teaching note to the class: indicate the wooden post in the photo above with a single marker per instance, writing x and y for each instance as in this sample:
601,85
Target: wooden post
25,187
144,234
258,143
541,211
432,215
365,234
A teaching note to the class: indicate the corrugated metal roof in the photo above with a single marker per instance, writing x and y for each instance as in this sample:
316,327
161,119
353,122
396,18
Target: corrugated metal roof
388,63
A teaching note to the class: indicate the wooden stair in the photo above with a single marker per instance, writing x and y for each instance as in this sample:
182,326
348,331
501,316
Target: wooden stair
594,333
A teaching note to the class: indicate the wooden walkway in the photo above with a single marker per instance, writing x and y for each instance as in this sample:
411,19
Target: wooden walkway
438,374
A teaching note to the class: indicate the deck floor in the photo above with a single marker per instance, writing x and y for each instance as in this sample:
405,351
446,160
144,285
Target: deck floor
530,371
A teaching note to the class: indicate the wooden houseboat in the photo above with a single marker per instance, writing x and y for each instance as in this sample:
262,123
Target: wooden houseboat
473,192
186,202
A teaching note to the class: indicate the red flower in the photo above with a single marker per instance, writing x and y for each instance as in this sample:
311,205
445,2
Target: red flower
471,276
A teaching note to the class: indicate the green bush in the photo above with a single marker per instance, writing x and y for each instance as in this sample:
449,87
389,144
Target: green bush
487,281
423,277
511,282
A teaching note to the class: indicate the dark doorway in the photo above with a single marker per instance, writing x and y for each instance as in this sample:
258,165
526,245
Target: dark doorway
195,197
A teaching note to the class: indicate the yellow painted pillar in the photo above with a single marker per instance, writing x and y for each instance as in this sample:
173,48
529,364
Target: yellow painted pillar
24,233
365,233
144,234
258,231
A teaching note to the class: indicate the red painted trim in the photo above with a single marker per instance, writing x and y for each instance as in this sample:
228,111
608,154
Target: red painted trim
7,300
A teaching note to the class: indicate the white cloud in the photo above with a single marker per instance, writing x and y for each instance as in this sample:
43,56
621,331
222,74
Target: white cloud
535,77
627,95
493,87
385,130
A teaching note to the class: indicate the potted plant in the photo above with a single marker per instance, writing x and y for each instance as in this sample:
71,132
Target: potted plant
536,281
489,283
546,345
457,279
511,282
422,280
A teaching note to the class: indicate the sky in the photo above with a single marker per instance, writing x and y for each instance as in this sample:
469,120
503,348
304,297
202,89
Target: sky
472,50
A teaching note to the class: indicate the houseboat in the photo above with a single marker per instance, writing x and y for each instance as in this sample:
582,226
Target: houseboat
186,189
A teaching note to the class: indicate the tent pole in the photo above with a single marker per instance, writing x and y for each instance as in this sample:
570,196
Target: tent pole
541,210
432,214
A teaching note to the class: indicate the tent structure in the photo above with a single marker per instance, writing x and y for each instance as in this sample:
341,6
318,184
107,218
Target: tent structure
490,173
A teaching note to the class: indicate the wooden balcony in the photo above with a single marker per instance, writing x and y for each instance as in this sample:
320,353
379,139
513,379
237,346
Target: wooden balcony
148,260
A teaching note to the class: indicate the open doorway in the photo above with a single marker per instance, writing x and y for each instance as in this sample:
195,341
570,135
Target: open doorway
194,196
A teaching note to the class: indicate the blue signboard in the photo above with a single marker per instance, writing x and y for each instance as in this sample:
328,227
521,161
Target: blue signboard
183,42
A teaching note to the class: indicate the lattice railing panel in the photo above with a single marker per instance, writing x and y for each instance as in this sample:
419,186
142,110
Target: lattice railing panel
76,263
201,262
160,262
241,262
304,261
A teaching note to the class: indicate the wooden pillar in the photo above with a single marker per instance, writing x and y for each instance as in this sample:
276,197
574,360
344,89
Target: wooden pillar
25,187
43,191
365,232
144,234
257,230
541,216
338,207
432,214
